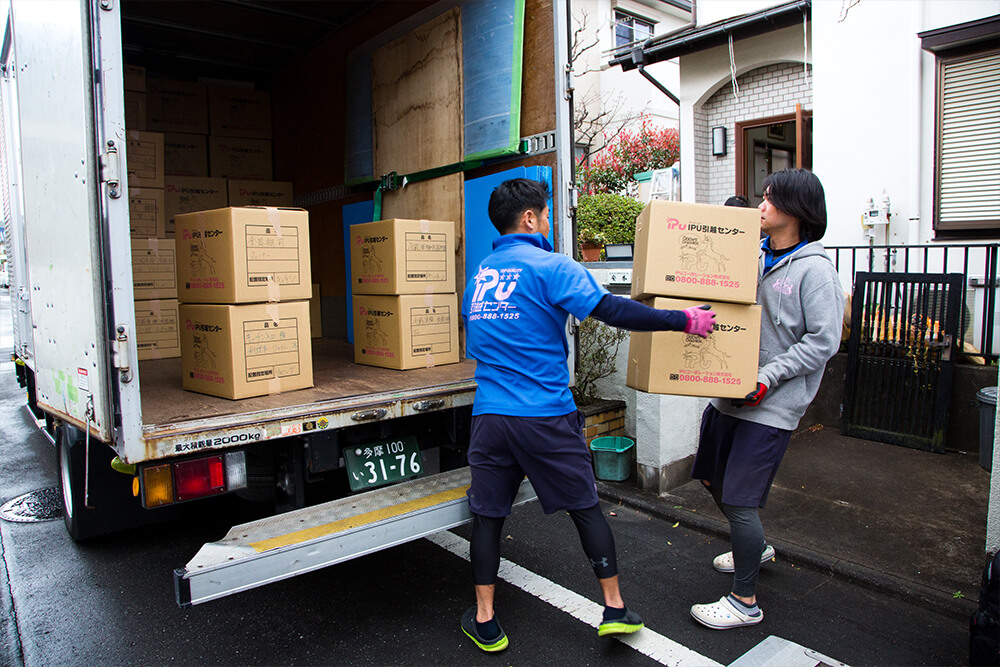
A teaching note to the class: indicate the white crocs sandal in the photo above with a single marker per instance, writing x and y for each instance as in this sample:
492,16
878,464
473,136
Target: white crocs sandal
724,562
723,615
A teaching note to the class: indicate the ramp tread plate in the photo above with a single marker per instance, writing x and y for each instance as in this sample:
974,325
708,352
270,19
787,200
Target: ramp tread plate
336,516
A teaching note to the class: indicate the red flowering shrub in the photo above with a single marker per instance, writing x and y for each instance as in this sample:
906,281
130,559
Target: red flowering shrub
632,151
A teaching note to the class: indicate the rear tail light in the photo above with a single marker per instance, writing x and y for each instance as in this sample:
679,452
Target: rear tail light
193,478
198,478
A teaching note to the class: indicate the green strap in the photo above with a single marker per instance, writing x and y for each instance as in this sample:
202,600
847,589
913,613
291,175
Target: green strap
393,181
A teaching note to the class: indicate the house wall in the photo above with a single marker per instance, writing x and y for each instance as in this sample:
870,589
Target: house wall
707,73
875,108
772,90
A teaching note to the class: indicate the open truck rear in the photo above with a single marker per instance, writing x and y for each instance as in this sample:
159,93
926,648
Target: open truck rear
379,110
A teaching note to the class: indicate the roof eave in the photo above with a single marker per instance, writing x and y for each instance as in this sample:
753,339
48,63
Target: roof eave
656,50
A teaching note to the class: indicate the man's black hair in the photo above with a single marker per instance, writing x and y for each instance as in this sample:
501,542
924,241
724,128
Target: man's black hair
512,198
738,200
798,193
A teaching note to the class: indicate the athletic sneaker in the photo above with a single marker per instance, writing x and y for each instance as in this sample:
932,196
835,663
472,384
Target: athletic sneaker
724,562
625,624
489,645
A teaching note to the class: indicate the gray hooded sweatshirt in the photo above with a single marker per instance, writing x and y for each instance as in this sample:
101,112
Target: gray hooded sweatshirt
801,323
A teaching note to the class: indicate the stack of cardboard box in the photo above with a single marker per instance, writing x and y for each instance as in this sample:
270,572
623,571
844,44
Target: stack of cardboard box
215,141
403,286
688,255
154,280
244,282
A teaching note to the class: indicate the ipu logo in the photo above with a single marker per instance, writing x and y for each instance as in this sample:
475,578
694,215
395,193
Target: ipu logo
489,279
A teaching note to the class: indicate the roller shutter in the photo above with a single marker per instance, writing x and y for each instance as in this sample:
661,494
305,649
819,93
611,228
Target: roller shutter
968,174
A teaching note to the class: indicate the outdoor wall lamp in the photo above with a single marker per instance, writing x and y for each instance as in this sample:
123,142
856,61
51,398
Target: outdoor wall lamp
719,141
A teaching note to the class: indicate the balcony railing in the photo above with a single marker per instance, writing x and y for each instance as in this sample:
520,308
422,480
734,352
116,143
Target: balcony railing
976,262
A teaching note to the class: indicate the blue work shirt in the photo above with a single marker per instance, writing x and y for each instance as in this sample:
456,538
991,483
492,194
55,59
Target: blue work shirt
515,310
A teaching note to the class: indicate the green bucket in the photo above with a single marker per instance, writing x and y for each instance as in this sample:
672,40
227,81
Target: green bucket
614,458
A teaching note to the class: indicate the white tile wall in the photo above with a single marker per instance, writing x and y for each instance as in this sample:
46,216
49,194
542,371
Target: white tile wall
772,90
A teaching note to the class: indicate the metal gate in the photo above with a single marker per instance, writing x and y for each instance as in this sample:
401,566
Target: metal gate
900,364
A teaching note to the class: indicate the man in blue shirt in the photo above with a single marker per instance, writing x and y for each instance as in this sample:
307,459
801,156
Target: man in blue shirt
525,421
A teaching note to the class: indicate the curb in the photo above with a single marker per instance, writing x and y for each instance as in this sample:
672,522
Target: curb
10,643
856,573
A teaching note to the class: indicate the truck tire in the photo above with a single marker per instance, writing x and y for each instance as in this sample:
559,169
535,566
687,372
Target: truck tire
109,506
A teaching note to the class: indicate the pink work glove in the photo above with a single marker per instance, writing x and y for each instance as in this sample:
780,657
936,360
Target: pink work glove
701,319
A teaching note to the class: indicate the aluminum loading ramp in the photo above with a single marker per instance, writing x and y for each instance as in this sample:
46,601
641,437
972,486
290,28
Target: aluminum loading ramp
286,545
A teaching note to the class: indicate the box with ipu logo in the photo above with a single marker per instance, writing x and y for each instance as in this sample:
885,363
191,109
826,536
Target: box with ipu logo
243,255
722,365
696,251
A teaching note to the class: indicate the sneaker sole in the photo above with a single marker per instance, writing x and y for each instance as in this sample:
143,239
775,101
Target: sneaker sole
739,624
489,648
618,629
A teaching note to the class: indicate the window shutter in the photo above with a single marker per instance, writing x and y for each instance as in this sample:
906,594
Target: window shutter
969,148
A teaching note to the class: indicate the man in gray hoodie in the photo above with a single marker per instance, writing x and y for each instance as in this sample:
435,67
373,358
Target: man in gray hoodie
743,441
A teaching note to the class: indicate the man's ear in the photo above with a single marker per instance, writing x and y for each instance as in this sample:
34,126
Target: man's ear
531,221
528,222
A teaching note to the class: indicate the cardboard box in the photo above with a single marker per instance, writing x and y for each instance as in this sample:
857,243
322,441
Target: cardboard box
723,365
185,154
408,331
154,269
239,112
260,193
403,257
145,159
187,194
235,157
238,351
315,313
147,217
157,334
176,106
135,110
696,251
135,78
243,255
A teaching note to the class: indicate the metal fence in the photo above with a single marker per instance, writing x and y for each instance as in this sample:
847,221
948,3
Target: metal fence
977,263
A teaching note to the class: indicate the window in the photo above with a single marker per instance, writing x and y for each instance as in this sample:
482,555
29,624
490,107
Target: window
967,132
629,30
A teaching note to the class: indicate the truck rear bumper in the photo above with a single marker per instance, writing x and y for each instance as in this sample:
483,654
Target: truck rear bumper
286,545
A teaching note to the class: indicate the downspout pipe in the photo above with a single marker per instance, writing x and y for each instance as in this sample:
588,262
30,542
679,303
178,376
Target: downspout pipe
659,86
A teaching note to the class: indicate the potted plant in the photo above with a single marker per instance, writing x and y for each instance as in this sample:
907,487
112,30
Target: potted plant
605,218
591,242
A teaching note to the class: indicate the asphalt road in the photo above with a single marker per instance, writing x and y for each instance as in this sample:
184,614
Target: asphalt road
111,602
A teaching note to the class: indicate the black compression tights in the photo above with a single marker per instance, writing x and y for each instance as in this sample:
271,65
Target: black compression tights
595,535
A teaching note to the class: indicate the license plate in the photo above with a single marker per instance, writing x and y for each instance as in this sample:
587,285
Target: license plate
383,462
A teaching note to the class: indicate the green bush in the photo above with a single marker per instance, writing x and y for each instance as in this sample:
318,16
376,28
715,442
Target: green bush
606,218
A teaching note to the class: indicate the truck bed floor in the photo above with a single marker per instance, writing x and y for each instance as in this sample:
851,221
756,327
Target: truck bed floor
335,376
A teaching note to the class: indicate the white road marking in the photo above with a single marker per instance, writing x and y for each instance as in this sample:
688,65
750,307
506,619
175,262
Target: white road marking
652,644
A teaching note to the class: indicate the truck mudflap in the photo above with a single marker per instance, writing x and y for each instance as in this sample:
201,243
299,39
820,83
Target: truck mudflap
286,545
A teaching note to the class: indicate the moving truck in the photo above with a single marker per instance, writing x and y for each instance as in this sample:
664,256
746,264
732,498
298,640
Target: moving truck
377,110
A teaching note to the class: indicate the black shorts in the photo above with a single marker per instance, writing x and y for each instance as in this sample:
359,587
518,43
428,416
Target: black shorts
740,455
551,451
